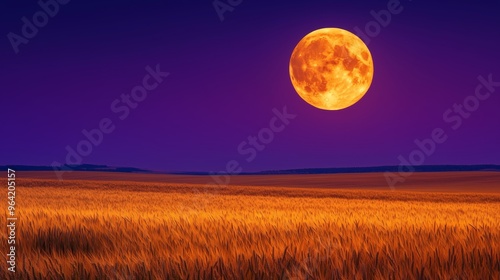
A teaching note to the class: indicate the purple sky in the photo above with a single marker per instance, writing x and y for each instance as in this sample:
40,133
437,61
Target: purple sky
227,76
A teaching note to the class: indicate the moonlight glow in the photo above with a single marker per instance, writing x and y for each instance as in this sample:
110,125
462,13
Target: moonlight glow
331,68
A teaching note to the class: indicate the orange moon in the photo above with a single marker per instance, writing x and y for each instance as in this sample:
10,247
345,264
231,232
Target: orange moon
331,68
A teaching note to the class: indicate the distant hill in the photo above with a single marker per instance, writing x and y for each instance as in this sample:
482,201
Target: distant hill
81,167
422,168
335,170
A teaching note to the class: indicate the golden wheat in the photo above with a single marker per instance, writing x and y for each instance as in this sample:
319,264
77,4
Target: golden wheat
124,230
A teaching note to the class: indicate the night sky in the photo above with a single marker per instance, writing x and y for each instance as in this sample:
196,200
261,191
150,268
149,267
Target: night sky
227,76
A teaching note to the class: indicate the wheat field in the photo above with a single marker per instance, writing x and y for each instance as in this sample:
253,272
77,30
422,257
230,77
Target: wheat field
81,229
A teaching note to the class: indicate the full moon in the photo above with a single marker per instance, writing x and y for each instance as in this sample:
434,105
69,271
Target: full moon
331,68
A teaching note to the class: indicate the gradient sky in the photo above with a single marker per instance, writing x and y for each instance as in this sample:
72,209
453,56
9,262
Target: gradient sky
226,77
